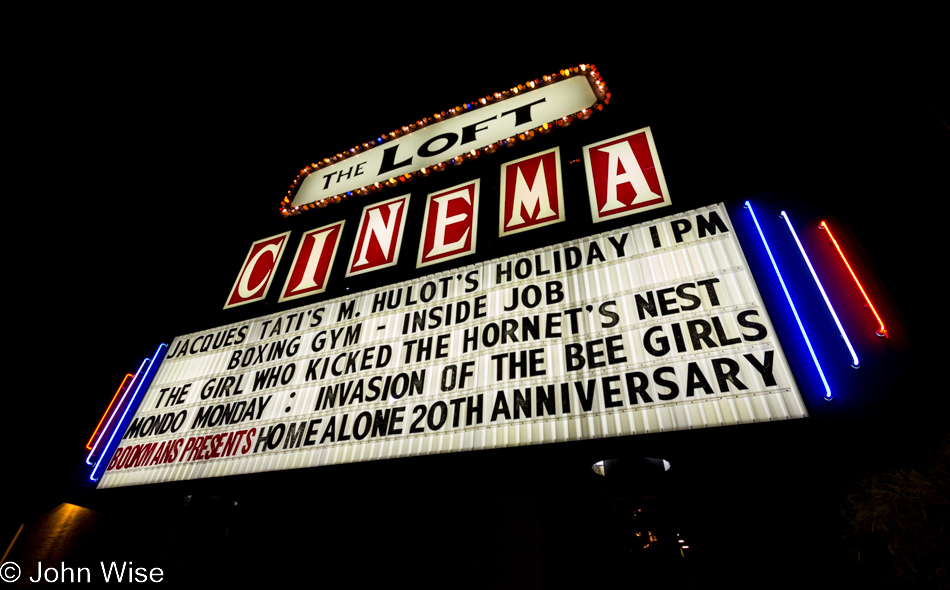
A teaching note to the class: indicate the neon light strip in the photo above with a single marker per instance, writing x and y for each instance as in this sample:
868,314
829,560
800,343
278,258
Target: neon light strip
854,357
881,331
96,431
791,304
125,394
153,364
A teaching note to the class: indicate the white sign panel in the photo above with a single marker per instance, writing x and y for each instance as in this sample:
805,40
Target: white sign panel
447,139
649,328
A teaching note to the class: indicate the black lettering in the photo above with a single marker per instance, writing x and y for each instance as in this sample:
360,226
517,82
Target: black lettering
658,378
523,113
680,227
727,371
694,301
712,225
469,131
637,384
661,341
760,331
585,396
764,368
696,379
500,408
389,160
450,139
415,428
699,334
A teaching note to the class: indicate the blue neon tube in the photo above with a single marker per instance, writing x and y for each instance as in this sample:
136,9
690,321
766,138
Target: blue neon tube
156,360
125,394
791,304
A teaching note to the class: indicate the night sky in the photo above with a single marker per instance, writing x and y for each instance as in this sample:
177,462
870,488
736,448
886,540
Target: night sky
148,175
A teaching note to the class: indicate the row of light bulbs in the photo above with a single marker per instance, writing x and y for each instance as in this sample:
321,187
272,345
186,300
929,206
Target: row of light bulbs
597,82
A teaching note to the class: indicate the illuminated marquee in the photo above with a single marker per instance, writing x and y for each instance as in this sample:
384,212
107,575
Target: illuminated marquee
450,224
449,138
532,195
379,237
624,176
648,328
313,262
257,272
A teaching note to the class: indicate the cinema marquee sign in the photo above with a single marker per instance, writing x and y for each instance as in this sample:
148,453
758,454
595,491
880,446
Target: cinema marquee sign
449,137
648,328
624,177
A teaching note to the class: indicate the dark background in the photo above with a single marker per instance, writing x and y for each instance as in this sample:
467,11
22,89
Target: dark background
147,172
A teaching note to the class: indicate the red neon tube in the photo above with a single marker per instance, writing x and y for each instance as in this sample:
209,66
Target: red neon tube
881,331
114,397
